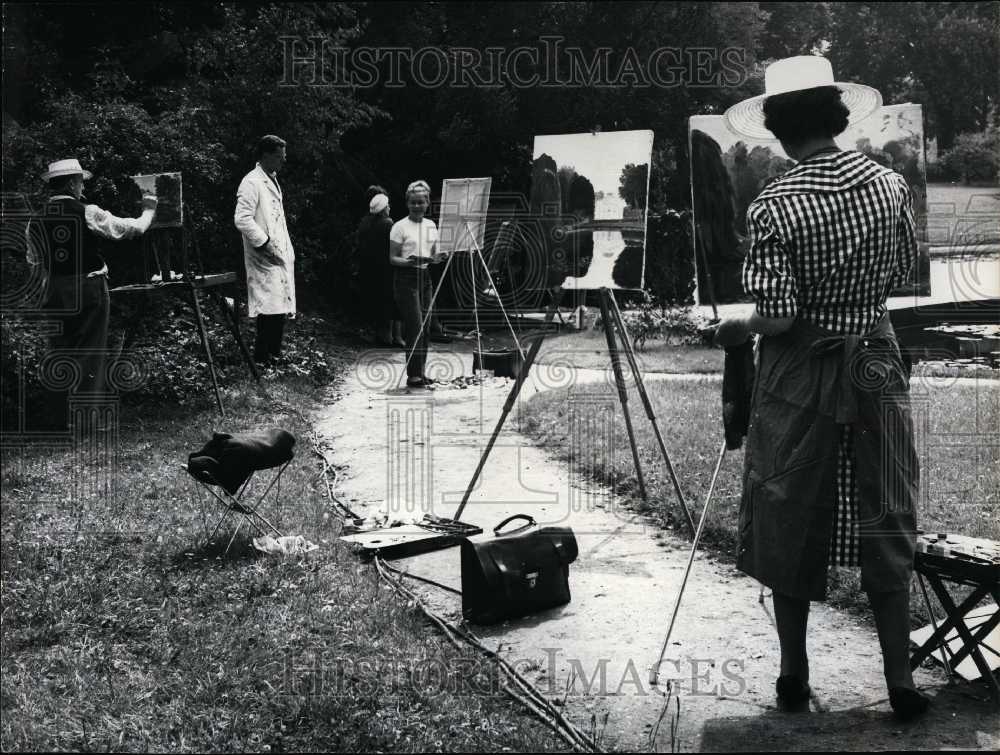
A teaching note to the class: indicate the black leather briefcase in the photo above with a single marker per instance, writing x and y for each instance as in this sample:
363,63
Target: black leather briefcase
516,573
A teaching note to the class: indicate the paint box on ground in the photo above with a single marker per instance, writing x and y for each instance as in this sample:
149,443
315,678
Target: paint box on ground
502,363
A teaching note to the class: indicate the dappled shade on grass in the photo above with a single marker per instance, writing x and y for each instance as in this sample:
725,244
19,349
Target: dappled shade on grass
120,632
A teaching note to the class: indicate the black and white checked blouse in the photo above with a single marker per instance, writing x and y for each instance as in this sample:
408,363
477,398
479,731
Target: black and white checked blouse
829,240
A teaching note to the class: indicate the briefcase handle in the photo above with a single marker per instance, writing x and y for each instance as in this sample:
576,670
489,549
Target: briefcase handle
530,523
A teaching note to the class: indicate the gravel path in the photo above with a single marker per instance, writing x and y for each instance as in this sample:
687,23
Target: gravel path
414,453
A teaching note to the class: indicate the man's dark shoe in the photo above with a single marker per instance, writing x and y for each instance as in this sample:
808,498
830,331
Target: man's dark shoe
420,382
440,337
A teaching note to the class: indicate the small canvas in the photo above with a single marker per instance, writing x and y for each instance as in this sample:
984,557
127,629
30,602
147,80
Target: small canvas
462,219
167,188
728,171
588,205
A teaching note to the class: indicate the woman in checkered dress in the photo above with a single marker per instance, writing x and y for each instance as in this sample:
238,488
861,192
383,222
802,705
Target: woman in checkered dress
831,471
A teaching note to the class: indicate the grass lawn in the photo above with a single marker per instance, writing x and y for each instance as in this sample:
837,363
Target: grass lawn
589,349
956,438
119,634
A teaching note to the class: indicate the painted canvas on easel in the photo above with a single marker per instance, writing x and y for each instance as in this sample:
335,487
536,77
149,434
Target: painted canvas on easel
163,251
462,216
728,171
168,191
588,200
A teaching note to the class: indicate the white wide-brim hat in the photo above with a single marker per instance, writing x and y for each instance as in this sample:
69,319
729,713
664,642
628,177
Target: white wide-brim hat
70,167
793,75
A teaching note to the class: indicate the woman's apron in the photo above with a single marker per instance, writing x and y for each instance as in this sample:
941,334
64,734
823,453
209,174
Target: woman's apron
809,382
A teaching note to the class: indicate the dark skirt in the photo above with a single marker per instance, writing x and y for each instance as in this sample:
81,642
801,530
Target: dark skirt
811,382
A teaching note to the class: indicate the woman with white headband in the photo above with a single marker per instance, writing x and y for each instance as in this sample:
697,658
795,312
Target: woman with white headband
377,272
412,248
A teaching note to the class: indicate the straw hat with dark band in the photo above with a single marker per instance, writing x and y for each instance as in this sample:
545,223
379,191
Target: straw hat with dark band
70,167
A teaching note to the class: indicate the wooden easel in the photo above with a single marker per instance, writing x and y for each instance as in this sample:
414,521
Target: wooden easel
192,282
613,321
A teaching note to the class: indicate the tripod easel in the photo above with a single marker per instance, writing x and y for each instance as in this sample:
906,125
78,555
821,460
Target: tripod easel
613,321
474,253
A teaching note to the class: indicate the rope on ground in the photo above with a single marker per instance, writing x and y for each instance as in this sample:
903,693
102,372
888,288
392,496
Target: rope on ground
402,573
343,508
515,685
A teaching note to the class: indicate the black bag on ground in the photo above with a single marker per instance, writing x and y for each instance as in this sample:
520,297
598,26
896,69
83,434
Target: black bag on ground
516,573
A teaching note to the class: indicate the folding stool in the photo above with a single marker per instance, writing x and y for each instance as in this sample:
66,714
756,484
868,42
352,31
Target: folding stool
227,464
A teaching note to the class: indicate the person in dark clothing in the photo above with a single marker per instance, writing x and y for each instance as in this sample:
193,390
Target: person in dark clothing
66,238
377,272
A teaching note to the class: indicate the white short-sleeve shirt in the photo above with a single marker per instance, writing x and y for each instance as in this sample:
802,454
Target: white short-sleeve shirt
417,239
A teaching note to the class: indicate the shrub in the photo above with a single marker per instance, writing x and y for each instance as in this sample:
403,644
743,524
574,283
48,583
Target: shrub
681,326
938,173
670,275
676,326
643,324
22,348
163,344
975,157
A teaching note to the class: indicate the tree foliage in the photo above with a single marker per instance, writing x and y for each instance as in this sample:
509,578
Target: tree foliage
975,157
159,89
632,185
144,87
943,55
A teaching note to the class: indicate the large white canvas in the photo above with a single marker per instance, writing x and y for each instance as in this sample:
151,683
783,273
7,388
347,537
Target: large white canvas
589,197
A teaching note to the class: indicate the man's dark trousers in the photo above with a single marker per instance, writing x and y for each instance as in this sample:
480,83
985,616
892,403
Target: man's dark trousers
81,307
270,329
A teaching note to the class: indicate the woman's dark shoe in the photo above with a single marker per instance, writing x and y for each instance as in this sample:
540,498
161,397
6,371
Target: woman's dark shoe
399,343
792,690
907,703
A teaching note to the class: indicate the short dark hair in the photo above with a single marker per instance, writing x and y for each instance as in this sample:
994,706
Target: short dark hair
372,191
62,184
796,117
269,143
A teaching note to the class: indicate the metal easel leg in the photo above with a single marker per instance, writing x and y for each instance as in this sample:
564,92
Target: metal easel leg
647,404
655,670
230,317
522,375
493,285
207,347
620,382
427,314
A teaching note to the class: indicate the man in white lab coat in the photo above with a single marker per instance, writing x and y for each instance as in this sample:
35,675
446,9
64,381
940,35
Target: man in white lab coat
267,248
